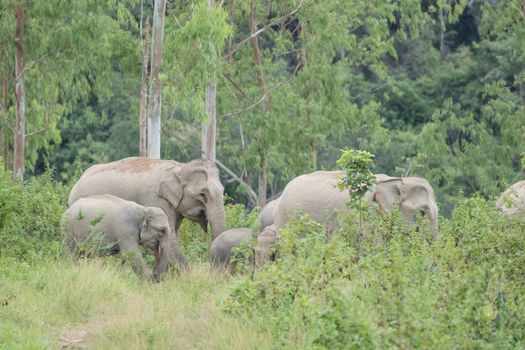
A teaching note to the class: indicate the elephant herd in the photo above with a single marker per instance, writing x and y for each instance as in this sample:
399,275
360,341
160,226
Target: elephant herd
141,201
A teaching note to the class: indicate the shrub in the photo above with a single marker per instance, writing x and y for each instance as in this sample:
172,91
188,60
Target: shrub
29,216
393,288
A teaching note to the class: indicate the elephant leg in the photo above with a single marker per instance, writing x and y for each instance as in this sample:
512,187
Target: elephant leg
175,255
131,251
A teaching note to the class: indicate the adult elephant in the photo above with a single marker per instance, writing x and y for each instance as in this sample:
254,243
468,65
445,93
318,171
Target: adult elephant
265,217
317,195
183,190
512,201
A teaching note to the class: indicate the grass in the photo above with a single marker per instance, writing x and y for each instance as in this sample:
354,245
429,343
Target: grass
117,309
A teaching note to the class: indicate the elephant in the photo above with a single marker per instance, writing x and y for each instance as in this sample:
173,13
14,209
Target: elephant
317,195
182,190
120,225
265,217
264,249
512,201
221,246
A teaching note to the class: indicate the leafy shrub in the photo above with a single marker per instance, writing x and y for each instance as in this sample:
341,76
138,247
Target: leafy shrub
30,214
393,288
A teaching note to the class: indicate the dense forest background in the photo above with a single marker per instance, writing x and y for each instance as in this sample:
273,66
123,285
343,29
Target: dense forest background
433,88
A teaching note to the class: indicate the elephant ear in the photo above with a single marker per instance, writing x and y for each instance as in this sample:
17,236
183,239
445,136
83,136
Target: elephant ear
146,219
170,188
387,193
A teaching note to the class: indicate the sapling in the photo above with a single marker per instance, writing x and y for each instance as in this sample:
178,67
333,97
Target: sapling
357,177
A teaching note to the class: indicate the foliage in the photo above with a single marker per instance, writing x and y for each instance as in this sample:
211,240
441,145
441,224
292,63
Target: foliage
463,290
29,217
357,179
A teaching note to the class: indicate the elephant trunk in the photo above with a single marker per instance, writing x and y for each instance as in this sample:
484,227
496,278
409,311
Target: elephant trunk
216,218
434,224
162,259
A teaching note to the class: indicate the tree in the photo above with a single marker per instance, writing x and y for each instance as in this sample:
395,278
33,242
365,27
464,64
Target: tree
155,95
49,62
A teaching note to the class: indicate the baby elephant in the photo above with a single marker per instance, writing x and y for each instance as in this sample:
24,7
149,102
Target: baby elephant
221,246
265,249
121,226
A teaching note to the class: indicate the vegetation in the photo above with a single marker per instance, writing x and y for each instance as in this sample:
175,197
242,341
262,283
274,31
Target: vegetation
394,287
433,88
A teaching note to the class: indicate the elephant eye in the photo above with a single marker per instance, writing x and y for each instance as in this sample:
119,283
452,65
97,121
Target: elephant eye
202,195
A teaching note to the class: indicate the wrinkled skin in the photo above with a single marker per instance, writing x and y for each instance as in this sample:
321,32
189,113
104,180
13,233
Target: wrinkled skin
192,190
221,246
265,217
317,195
265,243
122,226
512,201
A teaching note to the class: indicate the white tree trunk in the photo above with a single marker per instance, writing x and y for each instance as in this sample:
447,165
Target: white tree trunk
208,137
20,94
209,130
155,95
143,119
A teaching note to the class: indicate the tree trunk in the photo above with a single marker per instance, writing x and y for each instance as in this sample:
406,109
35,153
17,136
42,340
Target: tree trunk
19,132
266,105
155,95
262,181
442,29
209,131
208,137
143,119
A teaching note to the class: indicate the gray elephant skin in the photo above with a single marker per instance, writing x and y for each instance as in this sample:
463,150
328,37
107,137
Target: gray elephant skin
220,249
182,190
317,195
122,226
265,217
512,201
264,250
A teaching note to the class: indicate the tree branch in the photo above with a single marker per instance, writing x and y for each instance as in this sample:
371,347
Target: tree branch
237,87
261,30
263,97
251,193
6,119
37,61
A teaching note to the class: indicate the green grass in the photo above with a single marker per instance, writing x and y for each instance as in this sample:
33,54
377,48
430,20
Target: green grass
117,309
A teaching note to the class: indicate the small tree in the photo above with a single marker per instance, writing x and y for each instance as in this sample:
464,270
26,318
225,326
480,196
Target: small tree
357,179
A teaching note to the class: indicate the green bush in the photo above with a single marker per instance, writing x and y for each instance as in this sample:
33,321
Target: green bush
30,215
393,288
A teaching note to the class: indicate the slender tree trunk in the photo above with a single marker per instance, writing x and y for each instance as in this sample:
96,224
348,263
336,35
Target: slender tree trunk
155,95
266,103
19,132
3,123
209,131
442,29
262,180
143,120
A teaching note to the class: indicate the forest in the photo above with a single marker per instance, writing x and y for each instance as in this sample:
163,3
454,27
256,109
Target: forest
267,90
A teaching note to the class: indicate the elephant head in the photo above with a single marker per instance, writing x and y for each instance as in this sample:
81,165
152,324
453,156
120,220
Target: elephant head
264,250
196,193
413,195
154,234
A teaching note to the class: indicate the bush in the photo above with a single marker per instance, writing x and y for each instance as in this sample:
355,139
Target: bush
464,290
30,215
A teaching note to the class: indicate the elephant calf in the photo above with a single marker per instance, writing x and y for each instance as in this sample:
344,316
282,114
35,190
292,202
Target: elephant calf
121,226
220,249
265,249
